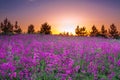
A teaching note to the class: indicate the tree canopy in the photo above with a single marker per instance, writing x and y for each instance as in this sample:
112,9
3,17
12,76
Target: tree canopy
45,28
113,31
6,27
31,29
94,31
81,31
17,29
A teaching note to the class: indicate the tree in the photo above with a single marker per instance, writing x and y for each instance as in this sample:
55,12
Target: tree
71,34
103,31
65,33
45,28
1,25
31,29
94,31
17,30
77,31
81,31
113,31
6,27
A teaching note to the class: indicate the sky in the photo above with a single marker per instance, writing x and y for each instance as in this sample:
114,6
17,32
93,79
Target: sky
62,15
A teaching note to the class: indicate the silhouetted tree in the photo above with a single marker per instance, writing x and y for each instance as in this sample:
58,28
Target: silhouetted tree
81,31
94,31
31,29
71,34
17,29
66,34
45,29
77,31
103,32
1,25
61,34
6,27
113,31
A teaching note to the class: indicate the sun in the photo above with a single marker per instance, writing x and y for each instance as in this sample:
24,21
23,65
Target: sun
68,25
69,28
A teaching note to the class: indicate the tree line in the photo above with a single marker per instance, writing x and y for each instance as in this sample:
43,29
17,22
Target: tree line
6,28
112,32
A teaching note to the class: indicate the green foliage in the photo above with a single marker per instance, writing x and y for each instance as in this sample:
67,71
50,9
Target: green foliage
102,76
43,75
3,60
42,65
16,58
117,71
83,76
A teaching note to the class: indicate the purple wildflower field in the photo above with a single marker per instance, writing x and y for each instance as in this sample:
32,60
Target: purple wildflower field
47,57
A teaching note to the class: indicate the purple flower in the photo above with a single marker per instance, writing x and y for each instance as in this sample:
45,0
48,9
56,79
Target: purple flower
118,62
13,75
77,68
110,76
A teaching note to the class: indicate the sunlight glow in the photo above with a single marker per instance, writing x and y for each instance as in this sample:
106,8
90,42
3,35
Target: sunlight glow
69,28
69,25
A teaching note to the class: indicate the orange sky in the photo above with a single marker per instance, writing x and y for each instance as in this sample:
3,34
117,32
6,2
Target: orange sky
62,15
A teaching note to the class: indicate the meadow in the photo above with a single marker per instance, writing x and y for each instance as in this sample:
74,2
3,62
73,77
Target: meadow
47,57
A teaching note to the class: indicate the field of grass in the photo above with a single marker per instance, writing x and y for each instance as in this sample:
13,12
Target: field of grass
46,57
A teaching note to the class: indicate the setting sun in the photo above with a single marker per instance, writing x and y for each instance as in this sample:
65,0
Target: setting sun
68,25
69,28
